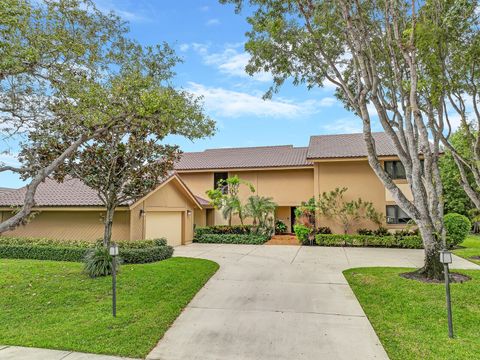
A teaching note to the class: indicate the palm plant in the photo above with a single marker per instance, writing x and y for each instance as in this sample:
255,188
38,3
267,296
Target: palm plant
261,209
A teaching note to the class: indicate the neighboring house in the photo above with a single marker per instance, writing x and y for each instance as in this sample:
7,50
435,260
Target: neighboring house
291,175
72,210
4,190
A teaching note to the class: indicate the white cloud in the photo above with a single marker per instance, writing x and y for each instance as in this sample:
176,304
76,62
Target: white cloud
344,126
129,15
204,8
212,22
10,159
229,103
230,61
184,47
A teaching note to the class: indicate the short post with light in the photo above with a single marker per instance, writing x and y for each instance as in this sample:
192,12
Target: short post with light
445,259
114,253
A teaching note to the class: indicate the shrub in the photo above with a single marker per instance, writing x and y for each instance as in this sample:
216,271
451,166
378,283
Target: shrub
280,227
224,229
457,227
363,231
324,230
231,239
132,252
381,231
98,262
45,252
302,232
409,242
146,254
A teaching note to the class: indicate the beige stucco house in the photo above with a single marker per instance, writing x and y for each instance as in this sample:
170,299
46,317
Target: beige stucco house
288,174
72,210
291,175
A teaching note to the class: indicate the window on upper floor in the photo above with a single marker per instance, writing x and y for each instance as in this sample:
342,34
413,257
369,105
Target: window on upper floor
395,169
395,215
219,176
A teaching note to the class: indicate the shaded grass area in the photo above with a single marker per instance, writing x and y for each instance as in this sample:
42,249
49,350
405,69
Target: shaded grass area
470,247
54,305
410,317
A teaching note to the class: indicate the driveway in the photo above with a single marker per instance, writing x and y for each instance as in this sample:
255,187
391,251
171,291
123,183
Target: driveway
280,302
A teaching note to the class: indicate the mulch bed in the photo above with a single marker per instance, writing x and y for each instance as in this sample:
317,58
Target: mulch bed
475,257
454,277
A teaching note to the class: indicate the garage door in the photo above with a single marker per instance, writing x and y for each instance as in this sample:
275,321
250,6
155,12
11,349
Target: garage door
165,224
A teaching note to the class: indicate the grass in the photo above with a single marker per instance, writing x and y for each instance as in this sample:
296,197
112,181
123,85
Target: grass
54,305
470,247
410,319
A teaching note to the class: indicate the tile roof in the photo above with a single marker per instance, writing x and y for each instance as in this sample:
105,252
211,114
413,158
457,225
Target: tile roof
247,157
4,190
71,192
347,146
202,201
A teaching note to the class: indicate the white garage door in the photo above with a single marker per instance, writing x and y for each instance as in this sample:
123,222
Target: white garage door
165,224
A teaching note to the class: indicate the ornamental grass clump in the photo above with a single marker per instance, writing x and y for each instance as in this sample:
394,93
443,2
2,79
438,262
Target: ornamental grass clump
99,262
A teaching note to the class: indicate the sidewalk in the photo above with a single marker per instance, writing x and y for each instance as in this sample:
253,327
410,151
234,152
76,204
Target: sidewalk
25,353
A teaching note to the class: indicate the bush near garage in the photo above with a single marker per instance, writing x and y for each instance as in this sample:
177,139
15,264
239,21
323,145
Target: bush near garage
131,252
251,239
457,227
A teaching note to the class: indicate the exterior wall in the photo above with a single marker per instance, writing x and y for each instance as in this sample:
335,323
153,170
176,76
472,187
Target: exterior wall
361,182
200,217
72,225
287,187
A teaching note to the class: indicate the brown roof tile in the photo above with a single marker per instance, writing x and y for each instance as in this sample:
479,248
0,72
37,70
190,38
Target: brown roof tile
247,157
347,145
71,192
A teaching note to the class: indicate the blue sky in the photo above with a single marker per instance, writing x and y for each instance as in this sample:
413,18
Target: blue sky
210,38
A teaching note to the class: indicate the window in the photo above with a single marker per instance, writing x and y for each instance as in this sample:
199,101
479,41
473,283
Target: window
395,169
220,176
395,215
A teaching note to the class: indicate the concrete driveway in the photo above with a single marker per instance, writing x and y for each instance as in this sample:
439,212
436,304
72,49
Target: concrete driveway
280,302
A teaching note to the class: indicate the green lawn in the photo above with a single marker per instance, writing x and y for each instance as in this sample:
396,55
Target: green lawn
410,319
54,305
471,247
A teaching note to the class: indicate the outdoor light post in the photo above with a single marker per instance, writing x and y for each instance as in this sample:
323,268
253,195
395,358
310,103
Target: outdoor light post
114,253
445,259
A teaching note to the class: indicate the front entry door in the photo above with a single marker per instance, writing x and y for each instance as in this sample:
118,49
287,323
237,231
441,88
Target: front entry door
292,218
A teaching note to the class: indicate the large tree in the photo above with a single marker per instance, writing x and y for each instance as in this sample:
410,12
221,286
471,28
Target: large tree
375,54
130,158
51,53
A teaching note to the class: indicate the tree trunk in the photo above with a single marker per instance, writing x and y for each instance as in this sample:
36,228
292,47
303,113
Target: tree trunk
107,234
432,268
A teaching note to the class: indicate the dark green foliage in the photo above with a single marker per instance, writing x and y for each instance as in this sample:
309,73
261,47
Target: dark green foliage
98,262
132,252
409,242
363,231
231,239
44,252
146,254
457,227
224,229
280,227
302,232
324,230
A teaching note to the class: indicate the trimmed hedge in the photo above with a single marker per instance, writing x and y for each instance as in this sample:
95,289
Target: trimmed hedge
408,242
231,239
145,255
43,252
224,229
131,252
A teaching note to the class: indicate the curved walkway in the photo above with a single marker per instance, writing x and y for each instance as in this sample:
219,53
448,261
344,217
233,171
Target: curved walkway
280,302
